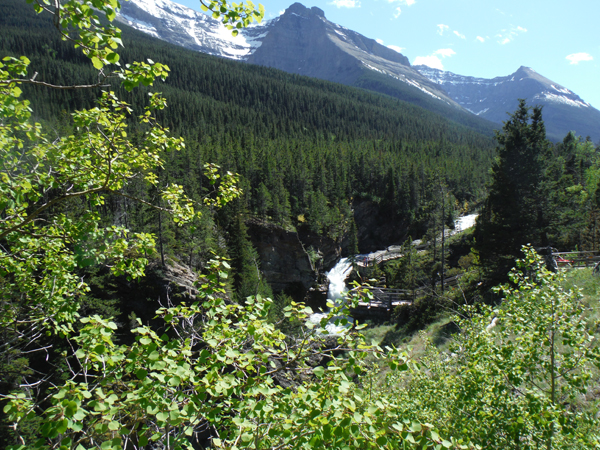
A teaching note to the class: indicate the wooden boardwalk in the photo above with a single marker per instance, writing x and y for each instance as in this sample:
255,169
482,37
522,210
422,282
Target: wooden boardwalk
384,300
378,257
382,303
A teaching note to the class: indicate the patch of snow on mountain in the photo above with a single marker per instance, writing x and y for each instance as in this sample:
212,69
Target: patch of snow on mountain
564,90
375,68
561,99
255,41
405,80
442,78
418,86
154,8
140,25
203,30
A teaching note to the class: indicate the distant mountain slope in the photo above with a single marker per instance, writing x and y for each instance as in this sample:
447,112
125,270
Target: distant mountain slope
563,110
304,42
224,96
305,149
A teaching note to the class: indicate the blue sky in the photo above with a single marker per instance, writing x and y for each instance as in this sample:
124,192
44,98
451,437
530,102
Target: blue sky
482,38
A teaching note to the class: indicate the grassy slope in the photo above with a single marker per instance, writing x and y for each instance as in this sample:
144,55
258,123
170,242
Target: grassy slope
440,331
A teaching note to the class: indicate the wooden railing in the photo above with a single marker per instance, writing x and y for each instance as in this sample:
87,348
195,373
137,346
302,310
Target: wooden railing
576,259
382,300
371,261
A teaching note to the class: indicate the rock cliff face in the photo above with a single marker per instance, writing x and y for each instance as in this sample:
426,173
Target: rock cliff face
375,229
140,298
304,42
285,260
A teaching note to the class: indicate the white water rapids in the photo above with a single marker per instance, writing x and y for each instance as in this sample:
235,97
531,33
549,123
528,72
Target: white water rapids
464,222
336,292
337,276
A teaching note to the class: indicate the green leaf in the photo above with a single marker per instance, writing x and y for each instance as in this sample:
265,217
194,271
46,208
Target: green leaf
381,441
61,426
97,63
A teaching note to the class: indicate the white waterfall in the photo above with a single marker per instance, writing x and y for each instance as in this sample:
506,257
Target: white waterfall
337,280
337,276
337,288
464,222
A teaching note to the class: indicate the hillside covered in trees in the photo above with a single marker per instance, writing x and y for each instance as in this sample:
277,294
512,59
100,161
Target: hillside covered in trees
310,143
105,189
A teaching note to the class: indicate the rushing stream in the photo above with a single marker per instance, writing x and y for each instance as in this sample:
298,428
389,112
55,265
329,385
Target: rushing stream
337,276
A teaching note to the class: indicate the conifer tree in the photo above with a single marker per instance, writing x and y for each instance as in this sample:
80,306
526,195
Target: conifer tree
513,214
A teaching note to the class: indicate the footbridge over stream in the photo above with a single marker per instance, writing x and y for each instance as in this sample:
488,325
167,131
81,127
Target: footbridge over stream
379,302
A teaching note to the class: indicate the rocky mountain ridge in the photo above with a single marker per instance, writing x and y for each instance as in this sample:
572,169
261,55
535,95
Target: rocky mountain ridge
491,98
302,41
191,29
299,41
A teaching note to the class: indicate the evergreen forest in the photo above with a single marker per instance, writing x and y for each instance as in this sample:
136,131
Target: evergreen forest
138,182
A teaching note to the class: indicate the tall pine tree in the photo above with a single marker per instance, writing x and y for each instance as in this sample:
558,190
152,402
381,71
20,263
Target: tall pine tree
513,214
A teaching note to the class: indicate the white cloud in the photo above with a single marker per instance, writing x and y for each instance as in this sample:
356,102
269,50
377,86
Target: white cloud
431,61
396,48
397,12
434,60
462,36
576,58
480,39
379,41
442,28
403,2
346,3
506,36
444,52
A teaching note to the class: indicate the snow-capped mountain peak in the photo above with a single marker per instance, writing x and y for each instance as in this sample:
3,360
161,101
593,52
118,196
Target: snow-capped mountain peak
186,27
303,41
492,98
